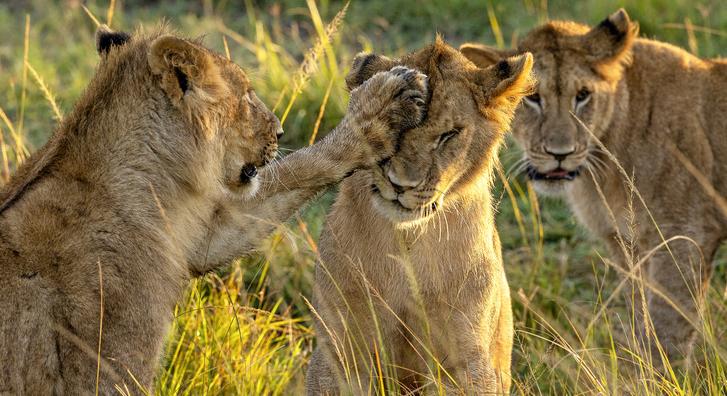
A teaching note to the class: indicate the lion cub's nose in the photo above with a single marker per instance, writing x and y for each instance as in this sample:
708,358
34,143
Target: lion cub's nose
560,153
279,133
400,184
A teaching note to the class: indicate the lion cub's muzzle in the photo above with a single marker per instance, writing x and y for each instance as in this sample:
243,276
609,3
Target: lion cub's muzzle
550,165
401,193
250,170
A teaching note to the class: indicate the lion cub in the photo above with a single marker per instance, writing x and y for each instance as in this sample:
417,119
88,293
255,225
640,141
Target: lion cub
661,112
410,286
151,180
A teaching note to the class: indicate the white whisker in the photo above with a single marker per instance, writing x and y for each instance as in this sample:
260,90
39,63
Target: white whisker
516,167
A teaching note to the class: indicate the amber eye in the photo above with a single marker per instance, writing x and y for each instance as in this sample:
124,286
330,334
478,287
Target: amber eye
582,95
443,138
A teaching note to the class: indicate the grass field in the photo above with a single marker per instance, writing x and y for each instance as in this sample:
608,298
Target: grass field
247,330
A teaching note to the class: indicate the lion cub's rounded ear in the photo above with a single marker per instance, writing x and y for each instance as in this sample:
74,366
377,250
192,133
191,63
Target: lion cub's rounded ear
107,38
611,39
364,66
509,77
500,87
483,55
189,74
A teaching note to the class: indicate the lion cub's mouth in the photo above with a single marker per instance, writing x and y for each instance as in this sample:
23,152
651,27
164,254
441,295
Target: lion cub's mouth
553,175
398,213
247,173
246,183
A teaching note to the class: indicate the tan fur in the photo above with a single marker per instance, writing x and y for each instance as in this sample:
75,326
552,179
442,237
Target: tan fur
142,182
397,279
647,98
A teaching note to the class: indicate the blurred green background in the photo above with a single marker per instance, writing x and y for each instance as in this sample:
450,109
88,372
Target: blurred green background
247,330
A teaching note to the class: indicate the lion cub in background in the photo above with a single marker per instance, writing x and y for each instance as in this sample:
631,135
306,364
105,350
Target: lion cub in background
411,286
660,111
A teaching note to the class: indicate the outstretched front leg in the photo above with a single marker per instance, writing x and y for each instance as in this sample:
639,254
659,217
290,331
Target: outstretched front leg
675,284
379,110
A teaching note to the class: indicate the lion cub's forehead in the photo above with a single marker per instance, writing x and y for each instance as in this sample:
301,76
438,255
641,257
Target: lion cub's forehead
553,37
438,60
558,52
557,71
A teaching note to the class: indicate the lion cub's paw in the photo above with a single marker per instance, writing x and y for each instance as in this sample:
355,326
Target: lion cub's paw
390,102
409,105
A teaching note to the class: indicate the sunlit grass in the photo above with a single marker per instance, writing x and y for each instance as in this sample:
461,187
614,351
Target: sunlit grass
231,340
248,329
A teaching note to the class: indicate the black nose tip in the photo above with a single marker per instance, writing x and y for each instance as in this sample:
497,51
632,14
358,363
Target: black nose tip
560,157
248,172
279,134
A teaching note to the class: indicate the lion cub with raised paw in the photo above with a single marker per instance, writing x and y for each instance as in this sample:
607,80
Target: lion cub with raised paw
661,112
410,290
151,180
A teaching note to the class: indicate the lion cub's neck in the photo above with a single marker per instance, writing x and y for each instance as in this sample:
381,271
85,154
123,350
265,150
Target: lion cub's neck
454,240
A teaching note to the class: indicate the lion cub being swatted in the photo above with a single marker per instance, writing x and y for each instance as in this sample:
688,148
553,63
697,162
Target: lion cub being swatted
661,112
411,271
151,180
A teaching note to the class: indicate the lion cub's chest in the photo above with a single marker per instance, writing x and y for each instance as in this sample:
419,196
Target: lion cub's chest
601,218
437,266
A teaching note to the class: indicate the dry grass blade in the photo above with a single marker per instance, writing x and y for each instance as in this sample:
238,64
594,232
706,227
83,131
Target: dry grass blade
227,47
701,29
24,78
47,94
321,111
110,12
5,170
495,25
310,60
90,15
20,150
691,37
238,38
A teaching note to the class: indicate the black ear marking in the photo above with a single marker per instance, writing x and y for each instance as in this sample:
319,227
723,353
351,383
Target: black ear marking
365,62
614,32
364,66
358,73
503,69
611,39
182,79
106,38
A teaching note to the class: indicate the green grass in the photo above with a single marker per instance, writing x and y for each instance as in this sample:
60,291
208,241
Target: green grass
247,330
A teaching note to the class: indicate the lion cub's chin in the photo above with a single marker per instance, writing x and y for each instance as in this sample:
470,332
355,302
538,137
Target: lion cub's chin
553,188
243,191
401,217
